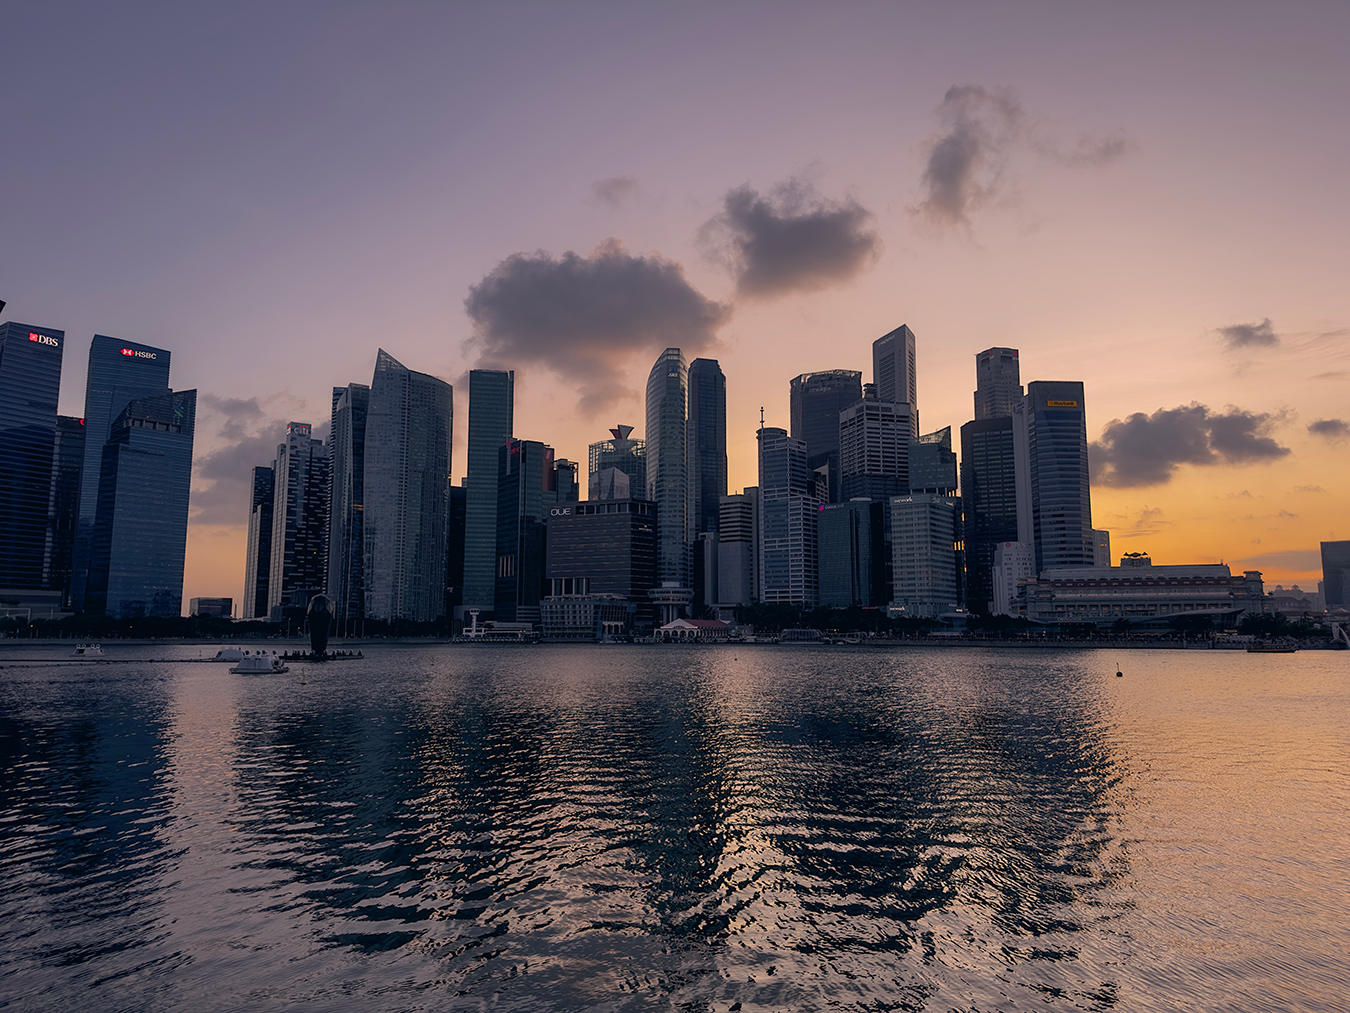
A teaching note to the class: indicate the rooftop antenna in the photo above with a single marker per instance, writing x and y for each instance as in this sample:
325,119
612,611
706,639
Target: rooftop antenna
761,416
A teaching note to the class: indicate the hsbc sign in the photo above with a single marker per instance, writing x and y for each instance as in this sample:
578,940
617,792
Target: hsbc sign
135,354
43,339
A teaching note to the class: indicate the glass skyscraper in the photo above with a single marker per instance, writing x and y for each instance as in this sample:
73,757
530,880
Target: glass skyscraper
258,563
1054,505
118,372
874,438
998,383
491,415
346,509
988,502
707,457
63,510
299,518
30,380
622,453
140,519
1336,574
409,433
668,463
787,520
816,401
526,491
895,371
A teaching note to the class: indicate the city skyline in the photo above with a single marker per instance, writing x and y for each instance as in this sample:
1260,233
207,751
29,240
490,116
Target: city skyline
1170,239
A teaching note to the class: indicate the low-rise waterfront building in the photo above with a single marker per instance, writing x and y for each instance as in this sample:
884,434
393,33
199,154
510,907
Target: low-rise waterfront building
1139,594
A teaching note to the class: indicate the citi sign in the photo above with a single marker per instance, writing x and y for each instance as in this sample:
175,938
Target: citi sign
44,339
139,355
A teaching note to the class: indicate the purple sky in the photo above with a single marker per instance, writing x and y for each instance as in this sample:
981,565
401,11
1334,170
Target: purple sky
1152,199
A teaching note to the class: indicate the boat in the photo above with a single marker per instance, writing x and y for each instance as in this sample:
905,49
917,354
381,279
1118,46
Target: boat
229,654
88,651
260,664
1271,649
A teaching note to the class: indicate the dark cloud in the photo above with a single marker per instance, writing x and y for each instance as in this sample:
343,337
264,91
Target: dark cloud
585,318
1092,151
614,191
792,241
1301,560
1249,335
1332,429
1147,449
965,163
1308,488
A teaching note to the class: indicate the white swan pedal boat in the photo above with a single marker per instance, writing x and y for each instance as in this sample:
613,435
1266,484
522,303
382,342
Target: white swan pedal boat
260,664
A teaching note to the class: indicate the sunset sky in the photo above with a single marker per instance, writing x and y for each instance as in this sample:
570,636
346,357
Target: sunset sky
1150,198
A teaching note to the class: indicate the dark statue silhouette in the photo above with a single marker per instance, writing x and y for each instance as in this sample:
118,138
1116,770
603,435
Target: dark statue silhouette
320,613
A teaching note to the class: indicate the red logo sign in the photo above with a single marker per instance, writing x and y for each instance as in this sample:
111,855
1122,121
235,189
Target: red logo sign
43,339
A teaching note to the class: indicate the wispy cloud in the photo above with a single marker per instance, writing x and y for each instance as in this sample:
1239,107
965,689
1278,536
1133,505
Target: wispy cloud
1258,335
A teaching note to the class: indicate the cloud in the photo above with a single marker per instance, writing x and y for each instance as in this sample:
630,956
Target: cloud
1249,335
1332,429
1149,522
1146,449
1308,488
615,191
793,241
585,318
981,128
1299,560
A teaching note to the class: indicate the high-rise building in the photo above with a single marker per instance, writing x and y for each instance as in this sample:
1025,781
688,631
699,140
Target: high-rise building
852,562
1014,562
454,556
1054,506
1101,547
346,503
738,548
895,371
816,401
874,438
624,454
298,554
988,502
603,547
140,520
118,371
923,554
527,491
998,383
63,506
707,434
788,504
1336,574
30,381
667,463
258,562
409,430
932,463
610,483
491,417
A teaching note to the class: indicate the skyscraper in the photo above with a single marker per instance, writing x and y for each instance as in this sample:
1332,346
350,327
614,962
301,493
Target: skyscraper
895,371
932,463
346,508
140,520
874,438
998,383
624,454
258,562
527,489
409,428
816,401
852,565
299,549
63,509
1336,574
788,505
707,455
667,463
30,380
988,502
118,371
738,548
923,554
491,415
1054,506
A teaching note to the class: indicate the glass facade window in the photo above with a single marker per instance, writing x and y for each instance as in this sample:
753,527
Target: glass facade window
815,403
1054,507
707,443
667,462
491,417
258,562
989,502
787,520
346,510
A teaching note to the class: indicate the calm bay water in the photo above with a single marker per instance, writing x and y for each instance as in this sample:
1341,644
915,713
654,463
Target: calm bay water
634,828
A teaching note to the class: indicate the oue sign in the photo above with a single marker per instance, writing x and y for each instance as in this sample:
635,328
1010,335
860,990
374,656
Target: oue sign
44,339
560,512
139,355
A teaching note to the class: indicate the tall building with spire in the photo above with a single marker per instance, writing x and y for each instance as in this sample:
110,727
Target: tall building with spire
667,463
492,397
409,433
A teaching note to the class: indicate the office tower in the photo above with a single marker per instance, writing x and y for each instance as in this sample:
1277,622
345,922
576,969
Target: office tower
1101,547
299,551
923,554
526,492
707,454
118,371
998,383
667,464
1014,562
346,503
409,429
63,506
874,438
738,547
454,553
604,547
491,417
565,480
610,483
895,371
1054,508
30,381
816,401
852,553
787,520
703,572
932,464
624,454
140,519
258,562
1336,574
988,503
